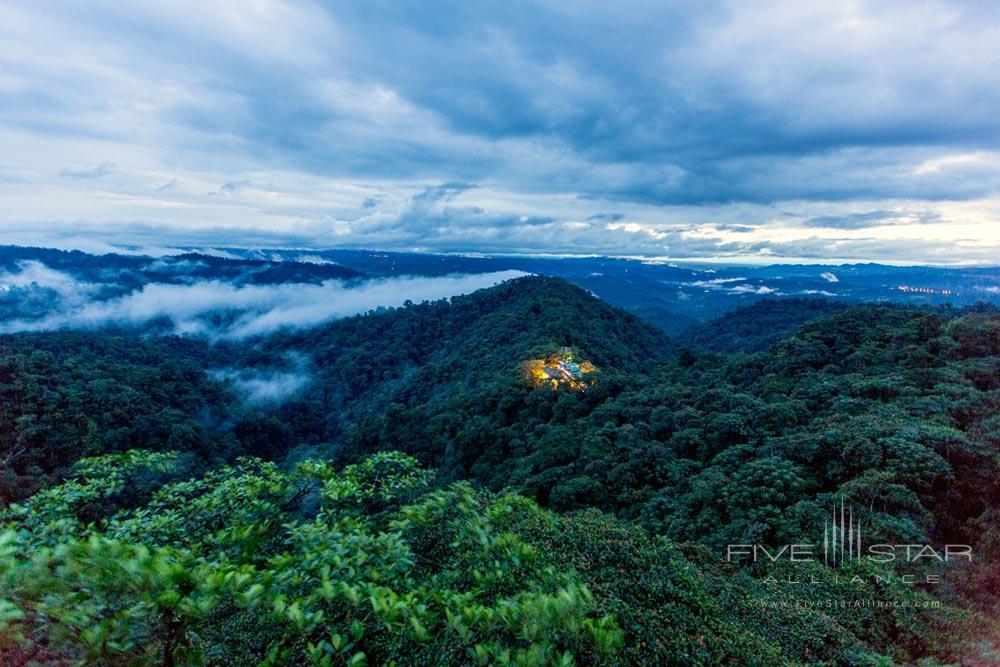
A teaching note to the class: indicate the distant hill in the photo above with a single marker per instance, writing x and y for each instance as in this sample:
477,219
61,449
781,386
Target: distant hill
40,282
249,271
674,297
126,272
756,327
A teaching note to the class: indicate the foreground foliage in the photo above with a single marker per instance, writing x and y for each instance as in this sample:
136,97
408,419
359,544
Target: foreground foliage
251,564
377,564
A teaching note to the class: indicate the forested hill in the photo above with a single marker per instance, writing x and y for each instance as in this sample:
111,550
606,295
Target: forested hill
132,271
756,327
71,394
891,410
479,337
440,379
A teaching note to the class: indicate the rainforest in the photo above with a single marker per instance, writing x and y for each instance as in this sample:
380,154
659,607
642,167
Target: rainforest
388,488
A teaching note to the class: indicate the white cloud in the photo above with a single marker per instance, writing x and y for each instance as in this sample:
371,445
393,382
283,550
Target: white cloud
752,289
715,283
70,292
252,310
264,386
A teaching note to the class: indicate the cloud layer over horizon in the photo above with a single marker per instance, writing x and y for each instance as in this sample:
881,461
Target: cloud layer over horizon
221,309
857,130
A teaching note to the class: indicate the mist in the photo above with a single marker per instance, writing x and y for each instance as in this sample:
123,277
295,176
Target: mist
33,274
221,309
259,387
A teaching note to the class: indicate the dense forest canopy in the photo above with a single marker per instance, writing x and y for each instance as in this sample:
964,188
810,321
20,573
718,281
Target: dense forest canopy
756,327
512,523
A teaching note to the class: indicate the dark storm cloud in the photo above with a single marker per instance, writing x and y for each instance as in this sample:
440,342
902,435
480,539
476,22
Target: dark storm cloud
707,102
100,170
233,187
861,220
437,193
470,125
431,215
722,106
606,217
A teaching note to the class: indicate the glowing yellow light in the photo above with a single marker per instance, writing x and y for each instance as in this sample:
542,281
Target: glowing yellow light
552,371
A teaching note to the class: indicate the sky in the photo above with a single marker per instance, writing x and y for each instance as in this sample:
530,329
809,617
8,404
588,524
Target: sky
742,131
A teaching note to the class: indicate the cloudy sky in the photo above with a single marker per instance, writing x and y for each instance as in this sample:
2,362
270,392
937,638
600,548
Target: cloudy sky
747,131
